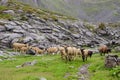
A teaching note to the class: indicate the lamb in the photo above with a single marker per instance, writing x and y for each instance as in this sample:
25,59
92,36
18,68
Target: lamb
18,46
104,49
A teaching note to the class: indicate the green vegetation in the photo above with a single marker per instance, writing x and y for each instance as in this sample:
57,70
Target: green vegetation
116,24
91,27
15,6
2,15
52,67
102,26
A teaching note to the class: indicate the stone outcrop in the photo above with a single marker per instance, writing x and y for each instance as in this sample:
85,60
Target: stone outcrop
112,61
44,33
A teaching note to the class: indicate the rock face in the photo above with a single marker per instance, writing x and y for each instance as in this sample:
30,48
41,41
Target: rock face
112,61
3,2
45,33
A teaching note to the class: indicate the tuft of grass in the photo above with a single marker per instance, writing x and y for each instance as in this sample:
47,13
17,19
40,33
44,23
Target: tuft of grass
102,26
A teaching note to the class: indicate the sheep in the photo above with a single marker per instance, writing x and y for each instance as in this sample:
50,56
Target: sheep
60,48
18,46
104,49
72,53
52,50
63,53
40,51
69,53
86,53
37,50
23,49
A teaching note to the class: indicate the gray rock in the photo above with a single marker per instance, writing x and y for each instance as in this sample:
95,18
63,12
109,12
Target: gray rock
11,12
43,78
31,52
27,39
118,42
112,61
41,33
9,27
89,34
19,31
83,72
2,28
117,49
3,2
13,36
1,60
1,53
20,11
32,63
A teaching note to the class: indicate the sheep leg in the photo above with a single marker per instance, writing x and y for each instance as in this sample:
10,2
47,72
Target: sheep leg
83,58
101,53
86,58
70,58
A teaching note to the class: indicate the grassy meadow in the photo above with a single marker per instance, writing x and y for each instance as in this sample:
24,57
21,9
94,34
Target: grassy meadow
52,67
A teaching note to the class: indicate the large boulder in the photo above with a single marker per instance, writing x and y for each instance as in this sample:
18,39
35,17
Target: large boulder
112,61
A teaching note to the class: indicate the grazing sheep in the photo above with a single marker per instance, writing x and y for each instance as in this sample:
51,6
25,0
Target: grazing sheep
104,49
37,50
23,49
72,53
18,46
52,50
60,48
86,53
40,51
63,53
90,53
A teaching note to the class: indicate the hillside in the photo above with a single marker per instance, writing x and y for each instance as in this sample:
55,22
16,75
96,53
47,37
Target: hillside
22,23
43,29
87,10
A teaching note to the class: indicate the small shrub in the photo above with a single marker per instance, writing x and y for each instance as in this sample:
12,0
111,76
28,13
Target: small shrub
2,8
101,26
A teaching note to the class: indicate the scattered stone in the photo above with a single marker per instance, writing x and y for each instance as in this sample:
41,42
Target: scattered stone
117,49
31,52
71,67
83,72
11,12
1,60
27,64
43,78
67,75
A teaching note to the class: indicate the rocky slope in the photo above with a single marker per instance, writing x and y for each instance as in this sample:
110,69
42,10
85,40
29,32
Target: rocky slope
28,27
88,10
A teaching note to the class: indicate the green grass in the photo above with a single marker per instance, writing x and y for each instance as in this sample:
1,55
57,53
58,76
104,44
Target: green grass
42,13
53,68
